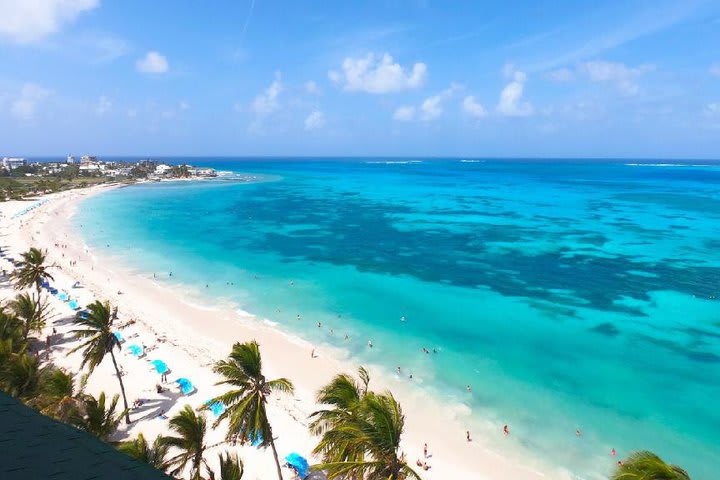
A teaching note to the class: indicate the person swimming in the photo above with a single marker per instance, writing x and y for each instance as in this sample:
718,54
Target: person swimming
370,344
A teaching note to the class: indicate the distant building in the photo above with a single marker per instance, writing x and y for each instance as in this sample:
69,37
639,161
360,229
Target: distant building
162,169
12,163
88,159
70,159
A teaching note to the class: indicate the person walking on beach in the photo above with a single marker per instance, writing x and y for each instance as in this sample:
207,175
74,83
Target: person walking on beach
467,436
506,430
425,450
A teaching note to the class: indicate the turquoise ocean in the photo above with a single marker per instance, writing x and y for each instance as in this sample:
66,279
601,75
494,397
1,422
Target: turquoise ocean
569,294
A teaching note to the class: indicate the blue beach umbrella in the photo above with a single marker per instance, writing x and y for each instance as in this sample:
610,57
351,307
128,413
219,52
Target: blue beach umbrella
160,366
135,350
299,463
186,385
118,335
73,304
63,296
216,407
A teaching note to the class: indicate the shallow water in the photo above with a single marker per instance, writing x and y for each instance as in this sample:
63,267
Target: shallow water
569,295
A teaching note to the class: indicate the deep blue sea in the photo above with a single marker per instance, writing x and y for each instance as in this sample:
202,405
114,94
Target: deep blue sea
568,294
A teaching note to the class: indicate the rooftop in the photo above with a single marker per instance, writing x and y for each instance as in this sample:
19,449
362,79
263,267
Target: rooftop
33,446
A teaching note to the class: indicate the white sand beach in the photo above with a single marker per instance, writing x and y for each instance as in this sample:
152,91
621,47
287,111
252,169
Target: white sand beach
190,337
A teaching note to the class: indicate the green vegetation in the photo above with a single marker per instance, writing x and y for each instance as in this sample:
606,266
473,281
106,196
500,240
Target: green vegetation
644,465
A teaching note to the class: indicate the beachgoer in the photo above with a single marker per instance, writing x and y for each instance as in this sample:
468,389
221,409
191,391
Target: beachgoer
319,325
370,344
613,452
468,388
312,354
578,432
506,430
467,435
425,450
398,370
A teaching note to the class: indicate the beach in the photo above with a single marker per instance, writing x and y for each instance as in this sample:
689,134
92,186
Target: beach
190,334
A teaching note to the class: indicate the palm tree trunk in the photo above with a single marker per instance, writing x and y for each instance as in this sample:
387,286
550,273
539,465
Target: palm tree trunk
122,388
277,460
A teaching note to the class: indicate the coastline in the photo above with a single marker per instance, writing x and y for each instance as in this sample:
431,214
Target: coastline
197,335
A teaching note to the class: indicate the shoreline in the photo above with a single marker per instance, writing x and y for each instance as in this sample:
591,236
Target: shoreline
160,312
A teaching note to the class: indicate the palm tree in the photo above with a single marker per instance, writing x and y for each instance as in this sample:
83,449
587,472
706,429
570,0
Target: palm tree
20,375
96,418
246,403
154,455
644,465
231,467
32,270
344,395
99,341
31,312
190,441
57,395
360,433
11,328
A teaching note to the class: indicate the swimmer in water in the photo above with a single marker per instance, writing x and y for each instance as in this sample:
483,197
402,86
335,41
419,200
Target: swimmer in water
370,344
506,430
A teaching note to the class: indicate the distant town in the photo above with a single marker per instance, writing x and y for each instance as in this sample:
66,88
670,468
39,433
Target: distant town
20,178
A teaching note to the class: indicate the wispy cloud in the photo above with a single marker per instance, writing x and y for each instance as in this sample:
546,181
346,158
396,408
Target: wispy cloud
658,16
29,21
31,96
267,101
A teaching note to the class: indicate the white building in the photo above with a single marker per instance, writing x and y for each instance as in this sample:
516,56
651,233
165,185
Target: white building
70,159
88,159
162,169
12,163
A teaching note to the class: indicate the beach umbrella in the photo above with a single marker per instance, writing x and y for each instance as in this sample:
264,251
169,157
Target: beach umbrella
135,350
186,385
216,407
118,335
299,463
73,304
160,366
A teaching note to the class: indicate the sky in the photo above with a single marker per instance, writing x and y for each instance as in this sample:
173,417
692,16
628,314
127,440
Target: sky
579,79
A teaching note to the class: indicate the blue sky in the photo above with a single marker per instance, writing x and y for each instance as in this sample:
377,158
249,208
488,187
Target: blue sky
406,78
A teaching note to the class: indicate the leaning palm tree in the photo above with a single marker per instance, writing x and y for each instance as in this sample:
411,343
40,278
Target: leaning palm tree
375,430
231,467
97,417
32,270
99,340
154,455
246,403
644,465
32,312
190,441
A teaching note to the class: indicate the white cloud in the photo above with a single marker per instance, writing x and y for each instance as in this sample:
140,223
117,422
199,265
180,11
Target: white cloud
312,88
618,74
267,101
28,21
404,113
103,105
25,105
315,120
510,103
473,108
561,75
152,62
712,110
183,105
374,74
715,69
